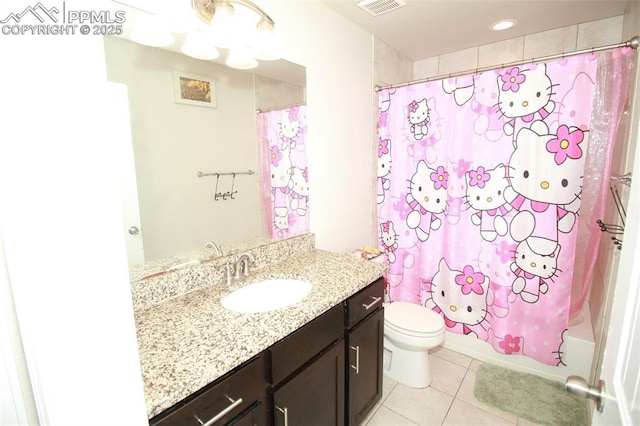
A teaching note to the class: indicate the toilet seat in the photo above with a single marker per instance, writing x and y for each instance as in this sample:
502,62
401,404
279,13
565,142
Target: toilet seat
412,319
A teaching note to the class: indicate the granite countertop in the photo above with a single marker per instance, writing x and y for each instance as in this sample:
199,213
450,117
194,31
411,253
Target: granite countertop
189,341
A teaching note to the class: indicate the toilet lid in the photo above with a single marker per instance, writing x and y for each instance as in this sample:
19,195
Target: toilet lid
410,316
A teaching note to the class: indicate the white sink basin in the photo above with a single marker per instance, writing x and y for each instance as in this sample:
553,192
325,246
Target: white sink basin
266,295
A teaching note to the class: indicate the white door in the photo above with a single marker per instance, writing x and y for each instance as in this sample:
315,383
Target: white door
621,362
121,135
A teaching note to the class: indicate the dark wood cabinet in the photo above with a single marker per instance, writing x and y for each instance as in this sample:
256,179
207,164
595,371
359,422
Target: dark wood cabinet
314,396
364,375
364,337
307,373
328,372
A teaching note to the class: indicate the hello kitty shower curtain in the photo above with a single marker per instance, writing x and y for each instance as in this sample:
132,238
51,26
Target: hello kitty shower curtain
284,172
479,186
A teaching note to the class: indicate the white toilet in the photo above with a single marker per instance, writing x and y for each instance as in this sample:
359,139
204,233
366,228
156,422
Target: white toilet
410,330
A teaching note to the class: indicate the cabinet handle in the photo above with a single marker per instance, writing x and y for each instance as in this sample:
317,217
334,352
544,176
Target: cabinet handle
375,300
222,413
357,366
285,412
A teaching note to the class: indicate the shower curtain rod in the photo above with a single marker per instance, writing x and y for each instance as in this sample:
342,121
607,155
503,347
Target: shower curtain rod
259,111
633,43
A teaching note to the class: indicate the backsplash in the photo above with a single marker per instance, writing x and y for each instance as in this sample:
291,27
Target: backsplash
156,289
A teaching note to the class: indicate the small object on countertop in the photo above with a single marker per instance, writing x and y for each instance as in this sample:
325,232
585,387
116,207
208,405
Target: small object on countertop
366,253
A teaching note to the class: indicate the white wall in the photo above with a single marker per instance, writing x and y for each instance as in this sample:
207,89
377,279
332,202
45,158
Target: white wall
61,221
61,225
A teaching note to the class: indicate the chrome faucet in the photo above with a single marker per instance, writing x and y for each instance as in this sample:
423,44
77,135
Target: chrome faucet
243,259
212,245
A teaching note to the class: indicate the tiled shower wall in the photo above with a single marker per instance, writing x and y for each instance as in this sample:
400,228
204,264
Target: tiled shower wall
566,39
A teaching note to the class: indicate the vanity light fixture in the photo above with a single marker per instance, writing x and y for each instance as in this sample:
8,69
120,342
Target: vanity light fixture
503,24
242,27
239,26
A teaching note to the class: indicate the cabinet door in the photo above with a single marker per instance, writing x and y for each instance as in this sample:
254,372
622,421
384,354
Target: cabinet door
364,376
315,396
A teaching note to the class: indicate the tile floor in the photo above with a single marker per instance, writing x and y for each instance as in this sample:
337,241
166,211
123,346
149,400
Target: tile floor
448,401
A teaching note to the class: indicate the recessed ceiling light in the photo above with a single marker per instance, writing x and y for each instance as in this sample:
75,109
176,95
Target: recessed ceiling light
503,25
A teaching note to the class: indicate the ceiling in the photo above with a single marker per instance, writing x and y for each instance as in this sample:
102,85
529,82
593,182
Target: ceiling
426,28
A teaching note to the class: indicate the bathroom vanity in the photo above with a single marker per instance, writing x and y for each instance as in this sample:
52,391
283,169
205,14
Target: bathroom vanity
317,361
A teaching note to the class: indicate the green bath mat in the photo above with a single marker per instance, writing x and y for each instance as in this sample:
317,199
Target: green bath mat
528,396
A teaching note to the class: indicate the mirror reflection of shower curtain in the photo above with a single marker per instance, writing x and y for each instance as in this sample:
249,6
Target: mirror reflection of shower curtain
284,178
480,180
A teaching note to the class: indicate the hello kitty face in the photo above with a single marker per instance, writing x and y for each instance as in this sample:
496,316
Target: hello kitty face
290,125
428,187
523,92
460,295
418,112
281,223
535,264
388,235
384,157
485,188
300,181
494,260
280,167
549,168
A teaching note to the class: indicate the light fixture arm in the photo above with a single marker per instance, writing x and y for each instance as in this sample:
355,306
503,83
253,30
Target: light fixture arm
205,9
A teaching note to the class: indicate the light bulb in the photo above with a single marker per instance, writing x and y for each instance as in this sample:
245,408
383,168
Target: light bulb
223,26
267,45
198,45
503,25
242,58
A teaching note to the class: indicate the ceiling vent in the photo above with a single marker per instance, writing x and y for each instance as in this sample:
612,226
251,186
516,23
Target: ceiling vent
379,7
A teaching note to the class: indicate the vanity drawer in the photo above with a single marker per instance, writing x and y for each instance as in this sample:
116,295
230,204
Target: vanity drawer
293,351
365,302
238,393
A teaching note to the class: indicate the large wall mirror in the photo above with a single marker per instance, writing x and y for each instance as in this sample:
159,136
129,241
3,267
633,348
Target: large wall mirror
173,141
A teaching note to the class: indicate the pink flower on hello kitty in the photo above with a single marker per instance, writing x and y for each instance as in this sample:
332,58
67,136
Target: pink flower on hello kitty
305,174
505,251
276,156
510,344
512,79
566,144
440,178
478,177
413,107
383,147
470,280
293,114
